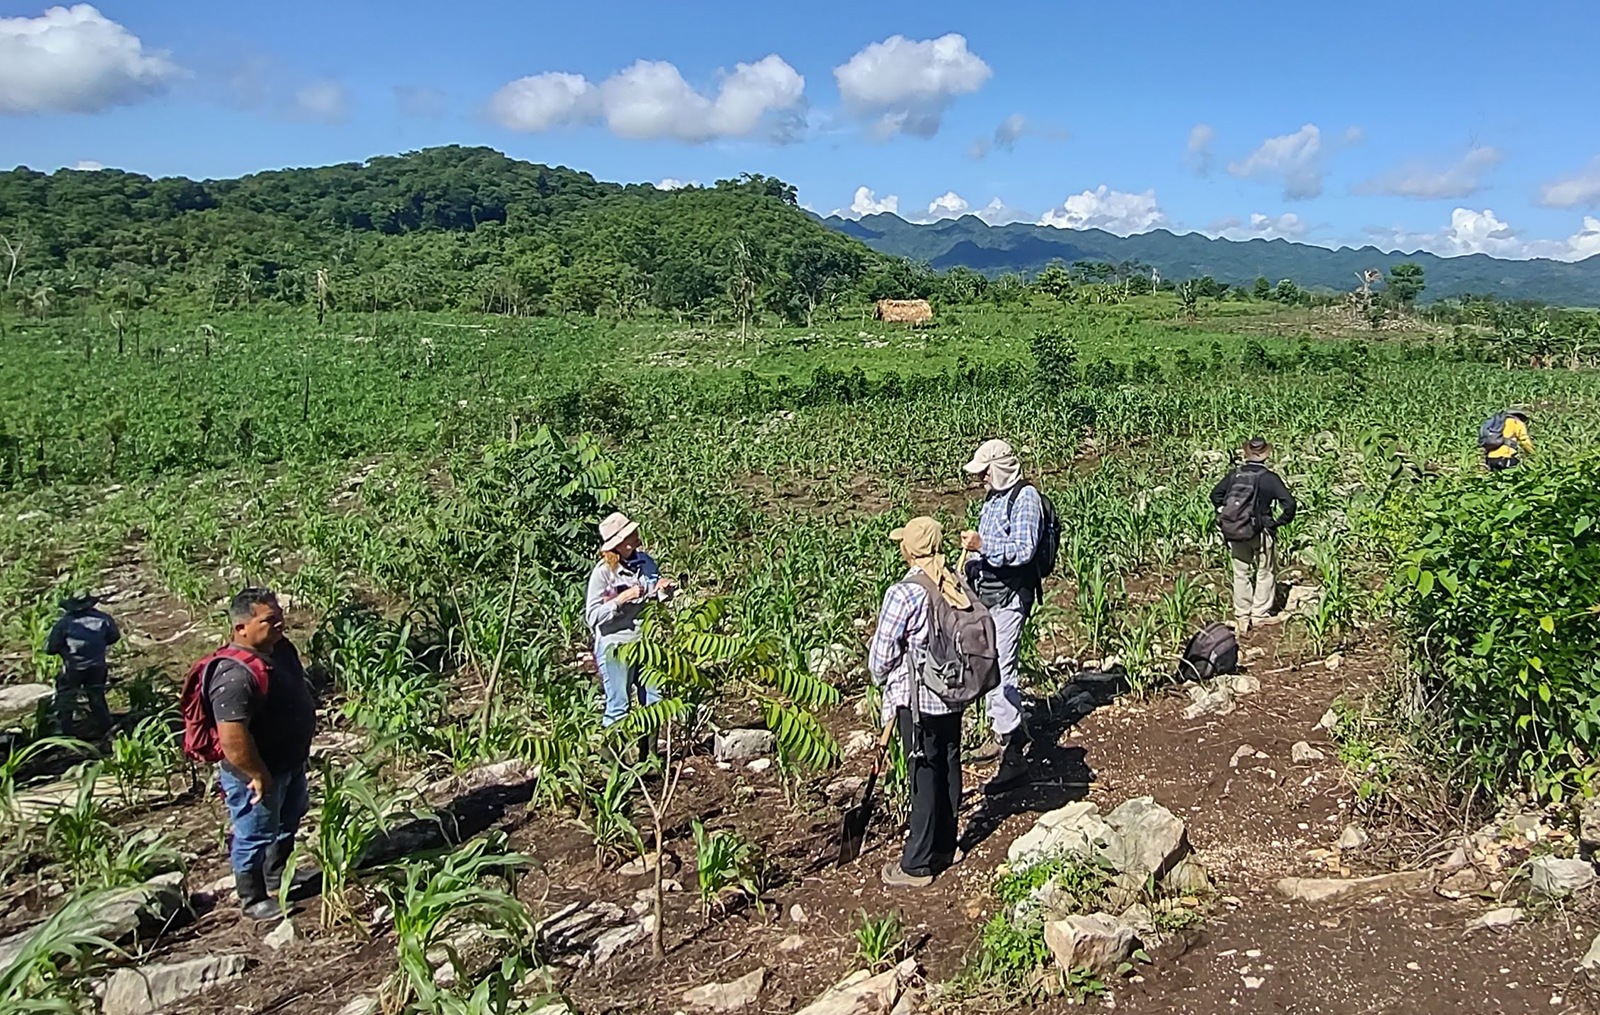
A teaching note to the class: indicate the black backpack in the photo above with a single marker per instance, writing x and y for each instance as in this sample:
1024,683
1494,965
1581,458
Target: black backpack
1211,652
1048,549
1237,518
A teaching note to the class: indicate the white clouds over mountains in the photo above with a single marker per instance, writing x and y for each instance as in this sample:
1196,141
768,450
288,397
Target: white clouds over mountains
1484,232
76,60
651,99
1295,160
1114,211
903,86
1462,178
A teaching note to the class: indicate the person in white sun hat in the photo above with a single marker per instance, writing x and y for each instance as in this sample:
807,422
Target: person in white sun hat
621,584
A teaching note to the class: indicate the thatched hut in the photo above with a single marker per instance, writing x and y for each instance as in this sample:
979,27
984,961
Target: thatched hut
904,311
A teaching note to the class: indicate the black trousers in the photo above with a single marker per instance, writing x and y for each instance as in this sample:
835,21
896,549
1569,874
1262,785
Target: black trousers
1501,464
935,790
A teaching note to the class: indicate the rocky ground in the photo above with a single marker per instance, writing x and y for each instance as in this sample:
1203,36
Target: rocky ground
1310,909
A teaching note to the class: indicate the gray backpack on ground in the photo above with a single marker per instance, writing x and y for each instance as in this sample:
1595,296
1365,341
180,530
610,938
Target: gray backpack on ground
960,662
1237,518
1212,652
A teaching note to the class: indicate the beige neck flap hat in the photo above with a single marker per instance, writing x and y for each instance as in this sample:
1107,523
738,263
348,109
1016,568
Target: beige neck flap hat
996,458
614,529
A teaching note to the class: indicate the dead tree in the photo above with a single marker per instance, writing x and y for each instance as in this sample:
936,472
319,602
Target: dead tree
13,251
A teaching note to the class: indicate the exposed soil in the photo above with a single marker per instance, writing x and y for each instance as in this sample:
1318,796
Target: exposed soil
1250,823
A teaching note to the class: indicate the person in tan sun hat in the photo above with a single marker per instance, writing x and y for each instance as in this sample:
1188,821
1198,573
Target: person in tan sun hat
907,639
621,584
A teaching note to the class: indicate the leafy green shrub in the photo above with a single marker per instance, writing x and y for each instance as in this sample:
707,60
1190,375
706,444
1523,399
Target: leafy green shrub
1499,579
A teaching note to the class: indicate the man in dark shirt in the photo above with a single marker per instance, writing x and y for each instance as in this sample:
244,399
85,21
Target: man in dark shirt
1255,585
81,638
266,741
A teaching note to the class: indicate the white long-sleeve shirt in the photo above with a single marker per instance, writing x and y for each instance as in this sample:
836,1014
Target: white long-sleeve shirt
615,623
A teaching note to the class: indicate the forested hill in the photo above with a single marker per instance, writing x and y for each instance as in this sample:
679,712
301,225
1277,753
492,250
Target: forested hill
442,227
1027,249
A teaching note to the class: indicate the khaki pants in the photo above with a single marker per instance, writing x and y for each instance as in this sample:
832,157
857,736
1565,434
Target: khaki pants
1254,583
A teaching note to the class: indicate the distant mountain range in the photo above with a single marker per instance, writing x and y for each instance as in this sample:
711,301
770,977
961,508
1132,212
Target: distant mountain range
994,250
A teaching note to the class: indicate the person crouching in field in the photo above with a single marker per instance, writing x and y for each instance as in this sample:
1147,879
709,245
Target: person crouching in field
1504,438
621,584
930,736
249,707
81,638
1252,504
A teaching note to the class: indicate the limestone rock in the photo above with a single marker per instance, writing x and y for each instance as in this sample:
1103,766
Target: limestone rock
1244,683
152,987
1187,877
1591,958
1353,837
863,994
1324,889
1589,827
797,913
1495,919
1075,828
608,945
830,663
1253,653
730,996
1303,753
1556,878
1215,699
364,1005
792,943
845,790
1149,838
743,745
1098,941
1334,661
514,772
1301,601
1139,917
119,915
281,936
20,697
1329,720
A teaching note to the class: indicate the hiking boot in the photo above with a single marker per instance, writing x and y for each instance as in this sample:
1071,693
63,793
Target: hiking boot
894,877
1013,771
254,902
988,753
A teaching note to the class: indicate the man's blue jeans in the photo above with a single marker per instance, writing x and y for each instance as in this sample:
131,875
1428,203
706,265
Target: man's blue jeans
258,827
620,681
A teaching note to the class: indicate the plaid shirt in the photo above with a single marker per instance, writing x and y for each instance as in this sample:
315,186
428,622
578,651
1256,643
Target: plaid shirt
902,632
1010,541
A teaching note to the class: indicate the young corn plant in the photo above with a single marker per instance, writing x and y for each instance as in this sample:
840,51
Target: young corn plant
608,817
725,863
93,852
144,757
433,901
879,940
52,971
356,809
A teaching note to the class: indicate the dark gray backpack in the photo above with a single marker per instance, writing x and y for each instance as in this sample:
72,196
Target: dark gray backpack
1211,652
960,661
1237,518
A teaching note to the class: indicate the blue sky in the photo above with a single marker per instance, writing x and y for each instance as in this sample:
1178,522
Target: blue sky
1456,127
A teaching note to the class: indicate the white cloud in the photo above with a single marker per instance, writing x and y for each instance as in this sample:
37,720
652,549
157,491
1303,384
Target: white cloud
671,183
1287,226
1427,183
1198,153
1581,188
1114,211
323,101
904,86
1354,135
88,165
1296,159
998,213
76,60
651,100
543,101
420,103
1483,232
868,203
1010,131
1586,241
951,205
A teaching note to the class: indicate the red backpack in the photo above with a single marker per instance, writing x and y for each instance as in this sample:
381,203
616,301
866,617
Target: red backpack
200,740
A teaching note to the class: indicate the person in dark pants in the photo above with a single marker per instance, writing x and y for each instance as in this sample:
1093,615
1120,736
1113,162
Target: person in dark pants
933,745
81,638
265,717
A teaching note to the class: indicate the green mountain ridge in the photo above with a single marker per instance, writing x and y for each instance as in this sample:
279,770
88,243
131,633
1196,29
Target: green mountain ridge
1026,249
448,227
